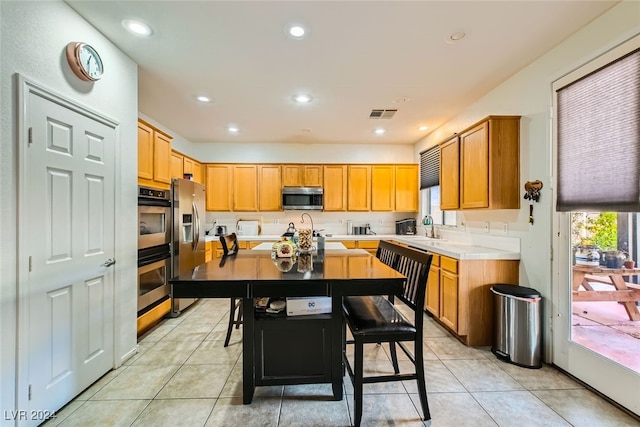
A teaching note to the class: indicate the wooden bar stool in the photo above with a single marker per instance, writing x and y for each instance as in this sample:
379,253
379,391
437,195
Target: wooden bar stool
230,247
375,319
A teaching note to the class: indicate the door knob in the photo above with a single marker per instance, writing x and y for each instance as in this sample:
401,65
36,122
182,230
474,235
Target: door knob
109,262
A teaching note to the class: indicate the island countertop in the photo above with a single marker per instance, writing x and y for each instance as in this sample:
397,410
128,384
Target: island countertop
448,248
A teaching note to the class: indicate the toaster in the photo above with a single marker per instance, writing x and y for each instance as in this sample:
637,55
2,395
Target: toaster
406,226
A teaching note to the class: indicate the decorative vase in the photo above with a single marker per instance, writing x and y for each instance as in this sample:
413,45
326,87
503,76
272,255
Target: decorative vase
629,264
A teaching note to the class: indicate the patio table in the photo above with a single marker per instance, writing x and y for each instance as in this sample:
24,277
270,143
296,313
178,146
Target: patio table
625,293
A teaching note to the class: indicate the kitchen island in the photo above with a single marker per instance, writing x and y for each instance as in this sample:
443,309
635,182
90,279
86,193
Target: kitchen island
271,351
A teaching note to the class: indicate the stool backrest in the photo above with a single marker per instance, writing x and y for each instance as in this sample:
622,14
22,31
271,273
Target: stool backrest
415,265
386,253
229,243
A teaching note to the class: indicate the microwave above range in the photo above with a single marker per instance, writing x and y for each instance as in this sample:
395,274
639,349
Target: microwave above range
303,198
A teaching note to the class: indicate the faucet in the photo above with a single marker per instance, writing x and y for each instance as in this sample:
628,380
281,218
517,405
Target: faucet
428,220
310,219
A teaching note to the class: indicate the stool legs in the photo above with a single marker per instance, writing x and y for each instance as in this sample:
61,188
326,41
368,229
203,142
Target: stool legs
358,362
236,304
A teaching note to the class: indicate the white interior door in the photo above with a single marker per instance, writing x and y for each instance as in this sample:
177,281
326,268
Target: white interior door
68,232
610,378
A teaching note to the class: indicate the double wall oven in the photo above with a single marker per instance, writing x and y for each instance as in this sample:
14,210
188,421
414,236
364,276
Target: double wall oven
154,254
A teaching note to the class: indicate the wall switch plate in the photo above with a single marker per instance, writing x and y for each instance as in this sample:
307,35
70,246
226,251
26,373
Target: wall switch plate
342,221
277,221
505,227
380,221
486,227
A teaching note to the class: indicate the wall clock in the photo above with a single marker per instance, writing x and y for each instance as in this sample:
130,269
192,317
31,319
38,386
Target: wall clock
84,61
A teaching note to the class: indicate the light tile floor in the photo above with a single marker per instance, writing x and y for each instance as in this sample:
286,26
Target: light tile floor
183,376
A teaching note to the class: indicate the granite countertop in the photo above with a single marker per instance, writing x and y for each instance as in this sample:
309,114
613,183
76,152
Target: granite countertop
451,249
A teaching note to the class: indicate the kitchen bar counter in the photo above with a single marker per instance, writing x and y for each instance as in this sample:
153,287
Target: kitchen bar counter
451,249
252,274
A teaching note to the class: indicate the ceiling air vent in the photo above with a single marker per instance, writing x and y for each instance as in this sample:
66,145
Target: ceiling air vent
382,114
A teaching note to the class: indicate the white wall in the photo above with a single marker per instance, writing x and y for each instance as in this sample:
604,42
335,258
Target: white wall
33,38
304,153
528,94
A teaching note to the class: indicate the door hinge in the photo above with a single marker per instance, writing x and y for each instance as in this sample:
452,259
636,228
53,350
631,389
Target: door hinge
552,253
29,391
30,263
30,136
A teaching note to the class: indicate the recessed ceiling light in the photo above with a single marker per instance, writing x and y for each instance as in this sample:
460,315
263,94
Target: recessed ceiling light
302,98
379,131
401,100
203,98
233,128
423,128
295,31
137,27
458,35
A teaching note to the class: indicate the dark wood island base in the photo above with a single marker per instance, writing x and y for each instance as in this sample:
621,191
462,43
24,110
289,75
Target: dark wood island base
298,349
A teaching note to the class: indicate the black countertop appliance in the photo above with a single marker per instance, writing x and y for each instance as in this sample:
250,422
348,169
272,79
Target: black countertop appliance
406,226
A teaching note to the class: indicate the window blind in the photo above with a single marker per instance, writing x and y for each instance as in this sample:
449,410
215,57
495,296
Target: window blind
598,127
430,167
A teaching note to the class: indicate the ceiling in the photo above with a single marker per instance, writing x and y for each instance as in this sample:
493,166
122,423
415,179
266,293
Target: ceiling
356,56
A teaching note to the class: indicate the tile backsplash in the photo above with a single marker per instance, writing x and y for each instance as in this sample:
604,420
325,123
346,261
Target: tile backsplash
276,223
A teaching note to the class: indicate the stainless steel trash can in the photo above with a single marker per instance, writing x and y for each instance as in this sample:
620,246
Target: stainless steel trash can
517,314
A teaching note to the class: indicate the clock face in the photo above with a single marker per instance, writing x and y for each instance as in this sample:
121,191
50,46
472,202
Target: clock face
84,61
90,61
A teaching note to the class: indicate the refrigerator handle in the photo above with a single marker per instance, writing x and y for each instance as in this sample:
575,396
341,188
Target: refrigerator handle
196,227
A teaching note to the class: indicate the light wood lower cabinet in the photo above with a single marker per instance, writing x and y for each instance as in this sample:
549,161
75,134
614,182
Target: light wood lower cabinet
209,250
432,297
370,246
459,295
216,247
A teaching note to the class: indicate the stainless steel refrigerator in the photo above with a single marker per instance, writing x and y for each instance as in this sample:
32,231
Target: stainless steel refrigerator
187,237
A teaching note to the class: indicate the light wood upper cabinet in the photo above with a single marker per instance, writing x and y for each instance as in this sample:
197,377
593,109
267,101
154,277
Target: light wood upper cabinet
177,170
154,156
219,179
198,176
145,151
474,167
161,158
302,175
488,169
245,188
188,165
406,188
312,175
270,188
383,187
358,188
450,174
335,187
291,175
